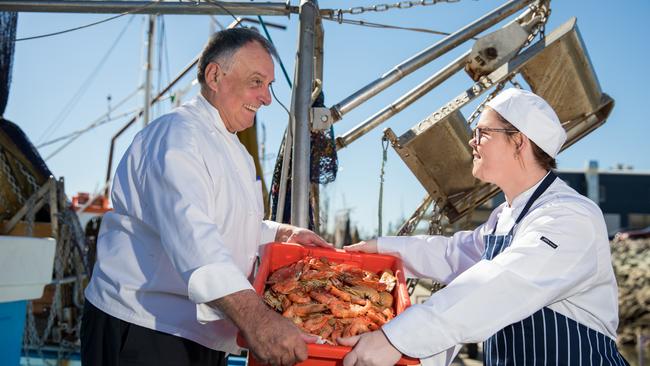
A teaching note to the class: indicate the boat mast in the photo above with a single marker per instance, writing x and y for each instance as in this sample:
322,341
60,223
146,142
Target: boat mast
147,70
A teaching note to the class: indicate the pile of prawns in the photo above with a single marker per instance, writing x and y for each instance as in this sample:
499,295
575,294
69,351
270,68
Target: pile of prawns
331,300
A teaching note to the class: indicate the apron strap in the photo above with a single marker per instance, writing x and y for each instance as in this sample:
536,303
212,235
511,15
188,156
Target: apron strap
550,177
548,180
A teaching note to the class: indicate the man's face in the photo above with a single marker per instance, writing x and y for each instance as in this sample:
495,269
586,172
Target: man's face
244,87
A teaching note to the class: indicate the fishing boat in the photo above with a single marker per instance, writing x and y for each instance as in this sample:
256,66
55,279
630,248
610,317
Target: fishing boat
56,234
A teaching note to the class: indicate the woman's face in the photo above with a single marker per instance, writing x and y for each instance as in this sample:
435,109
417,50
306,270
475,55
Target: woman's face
494,157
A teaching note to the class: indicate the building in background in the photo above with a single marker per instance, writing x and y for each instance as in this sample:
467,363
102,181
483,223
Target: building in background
621,193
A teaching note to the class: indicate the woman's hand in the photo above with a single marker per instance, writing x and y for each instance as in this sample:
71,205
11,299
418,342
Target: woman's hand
370,349
292,234
369,246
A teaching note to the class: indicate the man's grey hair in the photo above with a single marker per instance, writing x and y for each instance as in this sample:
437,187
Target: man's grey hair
223,45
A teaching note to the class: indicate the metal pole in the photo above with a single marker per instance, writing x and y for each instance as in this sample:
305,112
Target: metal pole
401,103
426,56
411,96
318,74
300,116
284,172
147,70
148,7
286,156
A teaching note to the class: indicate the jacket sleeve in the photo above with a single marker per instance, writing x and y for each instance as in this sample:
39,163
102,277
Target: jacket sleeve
528,275
176,188
437,257
269,229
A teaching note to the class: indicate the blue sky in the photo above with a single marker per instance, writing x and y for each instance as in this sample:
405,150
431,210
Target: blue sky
48,73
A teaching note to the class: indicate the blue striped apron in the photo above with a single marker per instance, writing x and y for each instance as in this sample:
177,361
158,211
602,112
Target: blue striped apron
546,337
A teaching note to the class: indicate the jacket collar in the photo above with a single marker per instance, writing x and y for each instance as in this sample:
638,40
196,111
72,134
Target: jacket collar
214,120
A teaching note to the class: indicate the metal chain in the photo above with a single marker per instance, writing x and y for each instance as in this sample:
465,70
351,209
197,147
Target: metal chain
384,156
29,217
384,7
410,225
516,84
68,235
435,223
31,325
34,340
4,203
436,227
6,170
485,80
69,254
78,239
543,11
539,29
30,178
408,228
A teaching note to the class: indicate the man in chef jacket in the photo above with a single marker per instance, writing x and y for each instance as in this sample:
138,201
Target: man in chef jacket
170,285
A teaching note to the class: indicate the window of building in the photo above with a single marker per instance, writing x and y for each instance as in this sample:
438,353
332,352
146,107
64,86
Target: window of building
638,221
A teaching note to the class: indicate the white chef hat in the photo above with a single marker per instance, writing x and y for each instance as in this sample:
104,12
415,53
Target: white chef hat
532,116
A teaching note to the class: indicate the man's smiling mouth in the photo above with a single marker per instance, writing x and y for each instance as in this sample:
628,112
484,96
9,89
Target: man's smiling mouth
251,107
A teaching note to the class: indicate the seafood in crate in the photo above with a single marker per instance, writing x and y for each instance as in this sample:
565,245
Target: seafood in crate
331,299
276,256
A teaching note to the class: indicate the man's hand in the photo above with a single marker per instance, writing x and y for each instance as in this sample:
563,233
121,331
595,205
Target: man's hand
369,246
370,349
275,340
292,234
272,338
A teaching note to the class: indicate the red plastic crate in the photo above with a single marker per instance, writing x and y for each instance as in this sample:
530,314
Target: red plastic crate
277,255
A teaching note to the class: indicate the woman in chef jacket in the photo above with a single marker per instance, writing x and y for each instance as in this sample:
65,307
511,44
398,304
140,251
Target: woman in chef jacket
534,282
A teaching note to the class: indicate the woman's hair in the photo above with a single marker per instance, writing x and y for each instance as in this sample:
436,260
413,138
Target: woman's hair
541,157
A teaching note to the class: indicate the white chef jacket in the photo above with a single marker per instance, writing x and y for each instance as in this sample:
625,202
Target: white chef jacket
186,223
482,297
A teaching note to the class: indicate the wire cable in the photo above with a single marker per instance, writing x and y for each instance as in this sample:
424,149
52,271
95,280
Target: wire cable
87,25
364,23
278,100
268,35
166,50
82,89
217,3
94,123
101,121
72,138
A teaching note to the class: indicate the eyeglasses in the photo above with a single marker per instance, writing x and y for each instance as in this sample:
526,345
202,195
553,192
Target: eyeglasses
478,131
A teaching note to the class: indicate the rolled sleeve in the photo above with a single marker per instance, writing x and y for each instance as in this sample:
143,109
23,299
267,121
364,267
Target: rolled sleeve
436,257
269,230
211,282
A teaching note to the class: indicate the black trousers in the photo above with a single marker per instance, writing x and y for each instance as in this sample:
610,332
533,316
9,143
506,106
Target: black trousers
109,341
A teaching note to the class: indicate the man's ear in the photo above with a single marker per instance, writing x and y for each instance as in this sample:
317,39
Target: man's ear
211,75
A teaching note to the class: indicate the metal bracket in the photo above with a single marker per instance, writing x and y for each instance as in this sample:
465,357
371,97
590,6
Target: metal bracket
495,49
322,118
35,202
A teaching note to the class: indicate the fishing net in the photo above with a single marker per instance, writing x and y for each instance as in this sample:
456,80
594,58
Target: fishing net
323,167
324,161
7,42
